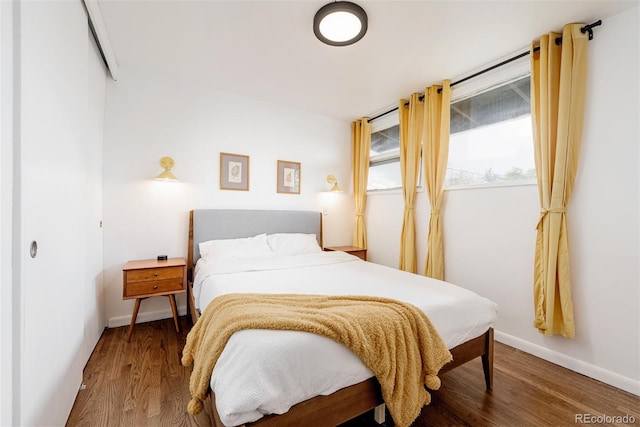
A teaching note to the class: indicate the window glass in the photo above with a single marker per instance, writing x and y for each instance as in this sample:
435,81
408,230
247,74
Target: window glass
385,141
491,140
491,137
384,161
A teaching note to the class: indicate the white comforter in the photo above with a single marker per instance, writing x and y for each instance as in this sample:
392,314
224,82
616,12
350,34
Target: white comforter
264,371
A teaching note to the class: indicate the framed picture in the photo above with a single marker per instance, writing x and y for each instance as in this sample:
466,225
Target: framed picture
288,177
234,172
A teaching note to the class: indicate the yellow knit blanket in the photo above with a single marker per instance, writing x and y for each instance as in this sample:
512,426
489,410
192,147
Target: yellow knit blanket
394,339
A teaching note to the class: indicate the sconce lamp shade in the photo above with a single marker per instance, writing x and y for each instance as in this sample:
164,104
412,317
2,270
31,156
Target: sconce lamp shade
340,23
332,180
166,163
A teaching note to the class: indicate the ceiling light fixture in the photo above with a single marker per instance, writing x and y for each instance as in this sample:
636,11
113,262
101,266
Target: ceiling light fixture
340,23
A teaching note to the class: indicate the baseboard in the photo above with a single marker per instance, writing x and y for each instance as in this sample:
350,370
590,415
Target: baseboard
147,316
616,380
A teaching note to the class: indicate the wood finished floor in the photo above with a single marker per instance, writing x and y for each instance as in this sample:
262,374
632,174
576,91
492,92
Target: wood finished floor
142,383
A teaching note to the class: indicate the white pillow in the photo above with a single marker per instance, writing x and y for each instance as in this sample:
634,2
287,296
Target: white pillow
287,244
236,249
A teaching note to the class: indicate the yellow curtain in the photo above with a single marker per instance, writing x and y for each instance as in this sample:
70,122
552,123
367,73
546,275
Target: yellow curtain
435,155
411,118
361,146
558,80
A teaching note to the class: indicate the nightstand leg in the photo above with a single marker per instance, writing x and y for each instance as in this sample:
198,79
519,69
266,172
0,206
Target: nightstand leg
174,309
133,318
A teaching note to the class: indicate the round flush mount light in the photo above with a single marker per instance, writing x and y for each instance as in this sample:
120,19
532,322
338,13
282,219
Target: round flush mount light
340,23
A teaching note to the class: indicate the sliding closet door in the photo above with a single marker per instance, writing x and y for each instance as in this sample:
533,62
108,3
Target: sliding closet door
60,164
94,317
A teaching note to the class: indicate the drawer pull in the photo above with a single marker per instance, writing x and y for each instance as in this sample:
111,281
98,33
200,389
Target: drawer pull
156,274
155,287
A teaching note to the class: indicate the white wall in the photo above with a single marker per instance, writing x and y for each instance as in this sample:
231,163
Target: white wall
61,99
490,233
9,313
149,116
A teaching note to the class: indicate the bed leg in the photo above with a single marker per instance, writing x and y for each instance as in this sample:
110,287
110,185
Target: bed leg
188,309
379,413
487,360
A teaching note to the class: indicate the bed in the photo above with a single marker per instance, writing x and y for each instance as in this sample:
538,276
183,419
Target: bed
347,393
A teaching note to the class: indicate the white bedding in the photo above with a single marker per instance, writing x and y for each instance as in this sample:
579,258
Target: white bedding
264,371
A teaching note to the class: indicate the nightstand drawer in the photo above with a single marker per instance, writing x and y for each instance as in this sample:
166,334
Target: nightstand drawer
362,254
137,289
147,274
359,252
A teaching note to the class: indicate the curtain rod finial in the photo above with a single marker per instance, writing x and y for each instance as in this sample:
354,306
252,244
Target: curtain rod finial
589,28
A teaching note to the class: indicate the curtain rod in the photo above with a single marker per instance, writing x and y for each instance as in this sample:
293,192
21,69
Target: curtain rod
585,29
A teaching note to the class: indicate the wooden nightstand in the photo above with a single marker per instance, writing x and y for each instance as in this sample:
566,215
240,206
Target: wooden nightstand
151,278
359,252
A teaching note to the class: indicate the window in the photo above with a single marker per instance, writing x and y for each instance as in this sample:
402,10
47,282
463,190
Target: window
384,160
384,157
491,140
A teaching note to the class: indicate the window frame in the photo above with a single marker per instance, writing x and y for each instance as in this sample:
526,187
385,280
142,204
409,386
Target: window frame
484,83
378,125
502,75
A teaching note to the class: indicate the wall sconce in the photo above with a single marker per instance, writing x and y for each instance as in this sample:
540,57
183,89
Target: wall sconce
332,180
166,163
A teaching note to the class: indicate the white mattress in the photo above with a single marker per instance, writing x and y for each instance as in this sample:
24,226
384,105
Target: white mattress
266,372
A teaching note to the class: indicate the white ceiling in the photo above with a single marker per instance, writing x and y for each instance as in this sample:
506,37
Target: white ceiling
266,49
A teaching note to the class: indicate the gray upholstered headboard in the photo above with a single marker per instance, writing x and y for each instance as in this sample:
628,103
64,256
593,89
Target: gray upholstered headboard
210,224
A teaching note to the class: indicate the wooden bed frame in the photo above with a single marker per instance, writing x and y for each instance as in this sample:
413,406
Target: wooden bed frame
349,402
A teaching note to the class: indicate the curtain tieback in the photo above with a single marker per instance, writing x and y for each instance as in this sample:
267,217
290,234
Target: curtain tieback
544,212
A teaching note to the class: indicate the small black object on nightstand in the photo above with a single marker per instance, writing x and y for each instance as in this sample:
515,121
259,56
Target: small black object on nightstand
162,257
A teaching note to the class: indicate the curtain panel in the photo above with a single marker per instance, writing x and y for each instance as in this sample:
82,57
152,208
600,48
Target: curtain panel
558,85
411,119
361,147
435,154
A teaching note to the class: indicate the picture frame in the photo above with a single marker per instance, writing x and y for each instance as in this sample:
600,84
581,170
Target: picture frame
288,177
234,172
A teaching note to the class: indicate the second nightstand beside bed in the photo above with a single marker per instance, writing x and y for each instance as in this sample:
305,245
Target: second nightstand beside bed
359,252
